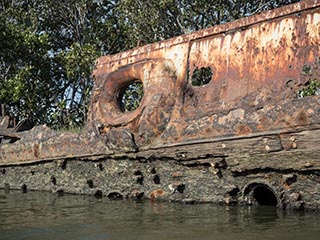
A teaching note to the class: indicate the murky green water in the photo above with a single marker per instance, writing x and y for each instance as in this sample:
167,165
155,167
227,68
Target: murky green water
38,215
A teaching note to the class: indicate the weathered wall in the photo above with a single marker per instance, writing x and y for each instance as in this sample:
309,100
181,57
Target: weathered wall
197,173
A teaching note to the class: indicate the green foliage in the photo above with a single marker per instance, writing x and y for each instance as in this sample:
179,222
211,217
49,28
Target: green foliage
147,21
312,88
78,60
312,85
23,65
201,76
131,96
47,54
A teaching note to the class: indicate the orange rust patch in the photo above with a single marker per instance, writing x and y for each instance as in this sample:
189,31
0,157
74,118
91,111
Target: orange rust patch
36,150
243,129
302,118
158,193
177,174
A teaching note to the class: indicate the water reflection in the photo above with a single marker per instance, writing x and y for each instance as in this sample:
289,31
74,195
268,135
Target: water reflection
41,215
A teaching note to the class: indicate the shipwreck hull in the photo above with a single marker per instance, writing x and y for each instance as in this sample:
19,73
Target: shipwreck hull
246,136
219,172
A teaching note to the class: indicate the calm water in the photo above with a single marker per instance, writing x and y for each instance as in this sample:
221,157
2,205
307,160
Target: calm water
38,215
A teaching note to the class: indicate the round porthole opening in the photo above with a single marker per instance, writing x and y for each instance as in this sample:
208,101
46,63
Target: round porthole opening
130,96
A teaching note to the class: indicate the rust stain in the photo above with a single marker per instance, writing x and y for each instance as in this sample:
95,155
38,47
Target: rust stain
302,118
156,194
242,129
36,149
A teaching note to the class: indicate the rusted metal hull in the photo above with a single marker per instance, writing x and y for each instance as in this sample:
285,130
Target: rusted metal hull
243,133
256,64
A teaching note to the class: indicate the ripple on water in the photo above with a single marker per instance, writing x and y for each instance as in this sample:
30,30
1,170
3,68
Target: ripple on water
42,215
